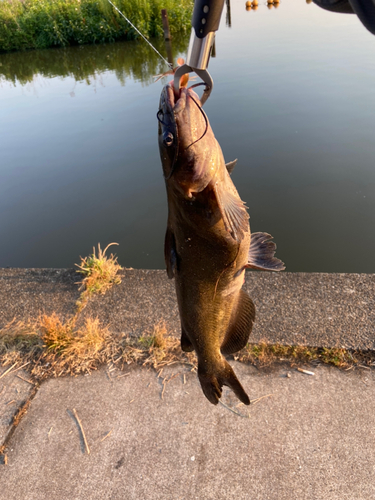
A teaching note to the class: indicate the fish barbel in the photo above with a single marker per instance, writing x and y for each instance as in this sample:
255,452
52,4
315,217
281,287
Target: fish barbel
208,244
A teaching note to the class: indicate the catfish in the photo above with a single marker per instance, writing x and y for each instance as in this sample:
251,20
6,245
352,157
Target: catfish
208,244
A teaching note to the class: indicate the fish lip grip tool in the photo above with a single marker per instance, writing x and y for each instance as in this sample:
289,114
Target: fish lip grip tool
205,22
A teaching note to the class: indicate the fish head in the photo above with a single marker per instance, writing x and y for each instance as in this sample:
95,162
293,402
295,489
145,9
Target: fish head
188,149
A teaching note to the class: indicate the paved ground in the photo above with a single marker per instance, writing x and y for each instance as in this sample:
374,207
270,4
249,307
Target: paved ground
314,438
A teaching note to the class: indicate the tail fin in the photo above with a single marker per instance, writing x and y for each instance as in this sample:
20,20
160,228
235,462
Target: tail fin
212,382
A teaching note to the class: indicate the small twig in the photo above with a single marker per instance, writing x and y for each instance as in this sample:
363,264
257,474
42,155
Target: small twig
19,368
82,431
131,401
107,435
158,375
10,402
8,370
306,372
25,380
49,432
255,401
363,366
124,375
164,384
234,411
184,379
172,377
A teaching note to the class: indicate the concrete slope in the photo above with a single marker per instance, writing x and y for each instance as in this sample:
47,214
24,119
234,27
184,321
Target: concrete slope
315,309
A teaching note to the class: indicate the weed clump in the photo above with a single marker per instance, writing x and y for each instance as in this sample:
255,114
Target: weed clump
53,347
100,272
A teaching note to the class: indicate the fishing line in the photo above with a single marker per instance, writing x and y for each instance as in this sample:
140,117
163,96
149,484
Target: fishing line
203,113
144,38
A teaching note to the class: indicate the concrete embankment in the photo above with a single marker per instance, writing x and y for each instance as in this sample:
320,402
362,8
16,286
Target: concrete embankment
313,309
155,436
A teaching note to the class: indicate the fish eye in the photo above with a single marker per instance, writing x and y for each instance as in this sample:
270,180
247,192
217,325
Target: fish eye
168,139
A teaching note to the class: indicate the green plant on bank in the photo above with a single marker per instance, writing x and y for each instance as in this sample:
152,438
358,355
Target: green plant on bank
100,272
30,24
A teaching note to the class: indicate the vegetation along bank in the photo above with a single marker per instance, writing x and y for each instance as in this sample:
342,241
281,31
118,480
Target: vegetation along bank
36,24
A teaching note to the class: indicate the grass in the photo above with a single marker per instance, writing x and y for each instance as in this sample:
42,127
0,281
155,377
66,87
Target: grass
100,273
264,354
53,348
30,24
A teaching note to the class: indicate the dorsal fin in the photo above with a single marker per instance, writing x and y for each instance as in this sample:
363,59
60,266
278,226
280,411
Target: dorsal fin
262,253
230,165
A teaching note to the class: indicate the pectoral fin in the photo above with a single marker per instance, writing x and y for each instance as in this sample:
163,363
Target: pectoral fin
233,210
230,166
243,318
262,253
170,253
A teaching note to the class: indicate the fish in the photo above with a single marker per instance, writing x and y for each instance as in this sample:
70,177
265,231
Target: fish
208,243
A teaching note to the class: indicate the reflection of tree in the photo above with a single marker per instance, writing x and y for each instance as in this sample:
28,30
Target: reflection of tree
134,59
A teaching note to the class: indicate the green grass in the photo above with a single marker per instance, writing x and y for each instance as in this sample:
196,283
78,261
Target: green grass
31,24
99,272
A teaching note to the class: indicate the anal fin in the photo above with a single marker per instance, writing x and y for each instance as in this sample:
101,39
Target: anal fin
262,253
242,323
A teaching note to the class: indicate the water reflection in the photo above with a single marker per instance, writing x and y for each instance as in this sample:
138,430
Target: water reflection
128,60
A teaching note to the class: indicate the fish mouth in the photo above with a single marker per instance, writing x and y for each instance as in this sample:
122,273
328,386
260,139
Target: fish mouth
176,100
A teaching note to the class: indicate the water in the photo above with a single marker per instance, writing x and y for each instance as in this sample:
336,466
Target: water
294,101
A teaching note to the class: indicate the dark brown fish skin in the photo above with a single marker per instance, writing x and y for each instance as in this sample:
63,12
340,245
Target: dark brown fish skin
207,262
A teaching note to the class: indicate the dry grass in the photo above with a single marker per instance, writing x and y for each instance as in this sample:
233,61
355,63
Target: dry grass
265,354
55,348
100,273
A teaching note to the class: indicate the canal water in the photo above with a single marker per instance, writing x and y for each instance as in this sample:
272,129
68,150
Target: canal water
294,101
